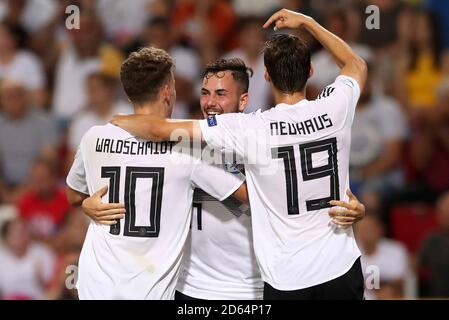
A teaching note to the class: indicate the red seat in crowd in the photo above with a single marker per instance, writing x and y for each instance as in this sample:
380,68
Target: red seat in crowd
411,223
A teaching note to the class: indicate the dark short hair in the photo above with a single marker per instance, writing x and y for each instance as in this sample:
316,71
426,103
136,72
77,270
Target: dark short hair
144,72
287,59
240,72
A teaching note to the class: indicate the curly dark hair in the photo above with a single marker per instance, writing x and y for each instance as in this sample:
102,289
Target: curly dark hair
144,72
287,59
240,72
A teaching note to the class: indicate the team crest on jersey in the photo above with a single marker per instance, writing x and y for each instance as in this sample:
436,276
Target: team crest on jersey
326,92
211,121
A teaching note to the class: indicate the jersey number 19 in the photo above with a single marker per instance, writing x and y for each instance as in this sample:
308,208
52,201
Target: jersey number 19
309,172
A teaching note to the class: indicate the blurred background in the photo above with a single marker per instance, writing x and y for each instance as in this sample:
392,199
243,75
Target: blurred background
56,83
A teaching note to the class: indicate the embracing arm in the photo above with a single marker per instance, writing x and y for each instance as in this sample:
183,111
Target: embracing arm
347,213
155,128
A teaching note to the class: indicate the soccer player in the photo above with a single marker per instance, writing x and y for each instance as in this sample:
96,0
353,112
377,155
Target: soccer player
297,165
219,262
139,257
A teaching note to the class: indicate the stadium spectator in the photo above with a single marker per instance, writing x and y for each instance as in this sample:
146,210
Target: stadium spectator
44,206
26,266
381,257
160,34
102,104
205,23
85,53
260,8
19,64
378,134
67,245
430,150
33,15
418,72
25,134
434,253
123,20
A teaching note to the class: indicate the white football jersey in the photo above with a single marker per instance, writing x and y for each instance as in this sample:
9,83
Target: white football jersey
219,261
296,160
139,257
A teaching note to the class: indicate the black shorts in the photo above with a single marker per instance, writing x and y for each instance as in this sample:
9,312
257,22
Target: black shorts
182,296
349,286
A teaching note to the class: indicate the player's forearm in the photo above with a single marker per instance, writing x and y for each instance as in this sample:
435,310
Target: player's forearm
154,128
339,49
148,127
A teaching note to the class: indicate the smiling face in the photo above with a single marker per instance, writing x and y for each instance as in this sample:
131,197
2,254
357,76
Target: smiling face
220,93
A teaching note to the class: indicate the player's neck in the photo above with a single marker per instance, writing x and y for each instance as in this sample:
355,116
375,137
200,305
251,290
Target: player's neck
155,109
288,98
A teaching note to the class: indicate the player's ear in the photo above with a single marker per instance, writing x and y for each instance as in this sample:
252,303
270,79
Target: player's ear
311,70
267,76
165,94
243,102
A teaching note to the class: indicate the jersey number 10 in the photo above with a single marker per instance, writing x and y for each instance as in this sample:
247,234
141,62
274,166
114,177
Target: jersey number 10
309,172
156,174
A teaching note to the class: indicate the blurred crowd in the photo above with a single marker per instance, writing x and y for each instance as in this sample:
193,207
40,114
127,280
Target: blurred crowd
56,82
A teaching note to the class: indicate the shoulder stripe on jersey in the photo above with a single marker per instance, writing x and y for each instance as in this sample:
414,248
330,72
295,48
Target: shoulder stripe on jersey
326,92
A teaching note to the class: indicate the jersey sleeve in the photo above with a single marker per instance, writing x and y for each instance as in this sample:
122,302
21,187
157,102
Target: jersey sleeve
244,135
76,179
225,133
215,181
344,90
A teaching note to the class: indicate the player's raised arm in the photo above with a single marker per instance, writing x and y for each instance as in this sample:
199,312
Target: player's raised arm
155,128
350,63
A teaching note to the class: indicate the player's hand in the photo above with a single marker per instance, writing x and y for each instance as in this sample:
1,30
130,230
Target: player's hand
347,213
103,213
287,19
